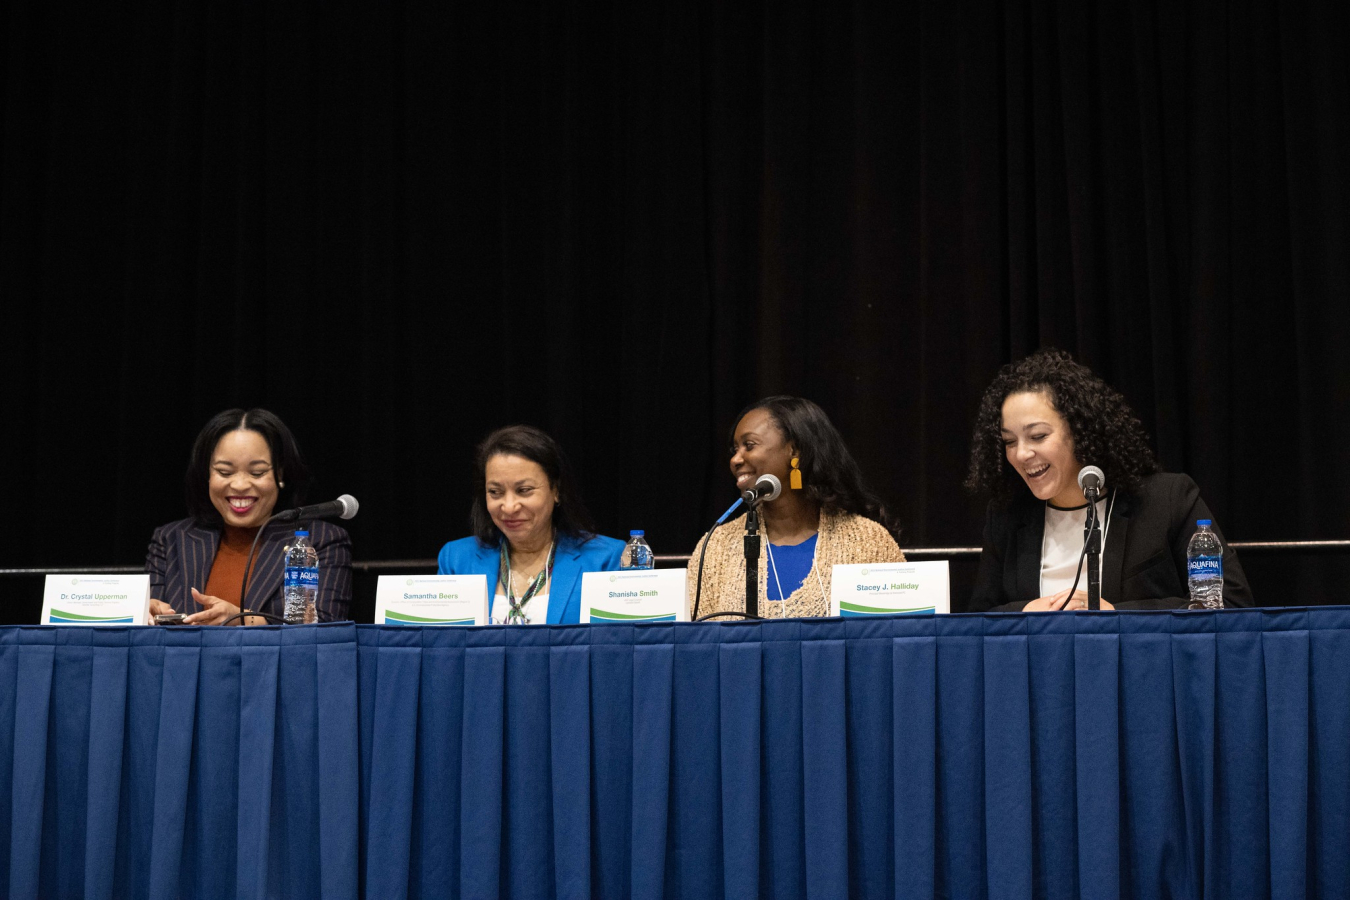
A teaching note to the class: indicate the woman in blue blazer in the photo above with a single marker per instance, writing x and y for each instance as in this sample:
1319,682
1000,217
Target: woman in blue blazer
531,535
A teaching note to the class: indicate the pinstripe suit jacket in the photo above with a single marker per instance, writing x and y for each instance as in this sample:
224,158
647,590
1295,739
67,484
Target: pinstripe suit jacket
181,554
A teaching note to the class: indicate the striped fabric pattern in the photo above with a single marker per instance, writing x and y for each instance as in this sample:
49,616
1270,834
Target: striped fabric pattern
181,554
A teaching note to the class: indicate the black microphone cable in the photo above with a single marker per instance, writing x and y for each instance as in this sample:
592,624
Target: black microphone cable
698,587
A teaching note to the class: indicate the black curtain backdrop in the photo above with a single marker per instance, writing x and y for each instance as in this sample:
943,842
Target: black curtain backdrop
401,225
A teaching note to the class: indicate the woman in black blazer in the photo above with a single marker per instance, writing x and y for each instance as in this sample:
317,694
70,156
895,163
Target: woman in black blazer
1040,422
244,464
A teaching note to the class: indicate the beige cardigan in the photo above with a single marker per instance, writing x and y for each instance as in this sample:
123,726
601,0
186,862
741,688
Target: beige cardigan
843,538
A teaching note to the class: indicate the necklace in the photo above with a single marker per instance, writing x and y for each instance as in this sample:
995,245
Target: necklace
516,613
782,598
1106,529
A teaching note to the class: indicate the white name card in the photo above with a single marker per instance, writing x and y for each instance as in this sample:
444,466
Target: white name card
431,600
96,600
634,595
884,589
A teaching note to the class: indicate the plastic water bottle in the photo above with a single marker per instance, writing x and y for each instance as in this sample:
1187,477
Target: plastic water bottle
1204,568
637,553
302,581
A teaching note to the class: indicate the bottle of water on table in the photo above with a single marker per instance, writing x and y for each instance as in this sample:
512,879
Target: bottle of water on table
637,553
1204,567
302,581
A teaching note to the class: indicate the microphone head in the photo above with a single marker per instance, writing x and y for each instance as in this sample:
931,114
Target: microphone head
1090,478
349,506
769,486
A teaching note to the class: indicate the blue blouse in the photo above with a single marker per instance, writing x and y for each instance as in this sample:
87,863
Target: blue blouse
791,565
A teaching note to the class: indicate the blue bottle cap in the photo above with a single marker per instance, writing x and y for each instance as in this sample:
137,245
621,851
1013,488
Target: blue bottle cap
1204,522
303,532
636,533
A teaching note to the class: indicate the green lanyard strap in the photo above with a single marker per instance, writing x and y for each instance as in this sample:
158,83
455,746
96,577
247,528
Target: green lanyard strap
516,615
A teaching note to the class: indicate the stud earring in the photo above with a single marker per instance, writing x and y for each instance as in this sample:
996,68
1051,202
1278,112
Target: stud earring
281,484
795,479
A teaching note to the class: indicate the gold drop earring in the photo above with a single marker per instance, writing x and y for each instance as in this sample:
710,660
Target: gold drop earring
795,479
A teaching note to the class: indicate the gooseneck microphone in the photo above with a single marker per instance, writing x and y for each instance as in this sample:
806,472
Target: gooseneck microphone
343,507
767,487
731,509
1091,480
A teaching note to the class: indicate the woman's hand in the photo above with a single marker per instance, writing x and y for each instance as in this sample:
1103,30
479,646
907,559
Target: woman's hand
158,608
216,610
1062,600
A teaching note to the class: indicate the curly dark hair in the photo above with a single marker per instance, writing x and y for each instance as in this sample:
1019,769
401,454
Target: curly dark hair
830,474
1105,431
569,514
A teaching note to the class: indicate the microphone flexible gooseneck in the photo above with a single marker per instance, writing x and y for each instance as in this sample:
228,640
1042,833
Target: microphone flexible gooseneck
766,487
1090,481
248,565
343,507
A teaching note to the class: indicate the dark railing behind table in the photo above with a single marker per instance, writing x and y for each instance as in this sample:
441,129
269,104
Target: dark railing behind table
1267,564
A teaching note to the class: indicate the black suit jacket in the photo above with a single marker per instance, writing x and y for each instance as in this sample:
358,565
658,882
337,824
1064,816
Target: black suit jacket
1143,562
181,554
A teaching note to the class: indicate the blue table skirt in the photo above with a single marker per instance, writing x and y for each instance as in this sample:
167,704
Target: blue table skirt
1046,755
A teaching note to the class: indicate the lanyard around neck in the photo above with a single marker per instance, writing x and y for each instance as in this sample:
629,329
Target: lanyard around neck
782,598
516,614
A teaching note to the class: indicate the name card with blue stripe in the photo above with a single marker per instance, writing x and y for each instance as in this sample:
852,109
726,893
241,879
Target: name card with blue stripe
884,589
89,599
431,600
634,595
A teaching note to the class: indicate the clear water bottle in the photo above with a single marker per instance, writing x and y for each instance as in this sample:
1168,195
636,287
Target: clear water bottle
302,581
637,553
1204,568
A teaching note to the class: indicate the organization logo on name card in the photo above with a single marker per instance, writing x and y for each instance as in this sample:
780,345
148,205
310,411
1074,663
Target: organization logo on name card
885,589
90,599
634,595
431,600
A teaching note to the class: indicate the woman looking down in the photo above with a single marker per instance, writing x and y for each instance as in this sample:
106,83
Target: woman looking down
1040,422
531,535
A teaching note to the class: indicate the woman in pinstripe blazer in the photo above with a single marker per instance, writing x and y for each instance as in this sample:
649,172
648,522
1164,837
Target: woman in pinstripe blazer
243,464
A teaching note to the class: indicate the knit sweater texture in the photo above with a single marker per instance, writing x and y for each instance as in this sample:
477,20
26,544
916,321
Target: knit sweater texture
843,538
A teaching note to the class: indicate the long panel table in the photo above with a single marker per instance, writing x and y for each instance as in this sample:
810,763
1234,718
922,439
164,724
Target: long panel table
1047,755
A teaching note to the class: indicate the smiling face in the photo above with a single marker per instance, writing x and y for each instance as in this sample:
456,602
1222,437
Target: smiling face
520,500
1039,445
242,485
759,448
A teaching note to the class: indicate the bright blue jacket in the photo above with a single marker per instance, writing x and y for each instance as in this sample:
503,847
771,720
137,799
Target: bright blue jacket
467,556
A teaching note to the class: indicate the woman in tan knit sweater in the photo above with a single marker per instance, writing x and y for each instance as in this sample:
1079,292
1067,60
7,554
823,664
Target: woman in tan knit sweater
824,516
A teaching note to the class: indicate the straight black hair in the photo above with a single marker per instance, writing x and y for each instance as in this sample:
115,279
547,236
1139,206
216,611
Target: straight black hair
526,441
288,466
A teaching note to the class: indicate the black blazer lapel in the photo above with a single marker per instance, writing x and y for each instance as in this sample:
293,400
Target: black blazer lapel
1030,536
1113,554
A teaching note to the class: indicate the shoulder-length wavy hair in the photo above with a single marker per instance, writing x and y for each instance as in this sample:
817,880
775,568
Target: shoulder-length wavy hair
830,474
1105,431
569,513
288,466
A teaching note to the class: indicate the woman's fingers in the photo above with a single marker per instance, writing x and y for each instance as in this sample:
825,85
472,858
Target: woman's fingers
1062,601
158,608
216,610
